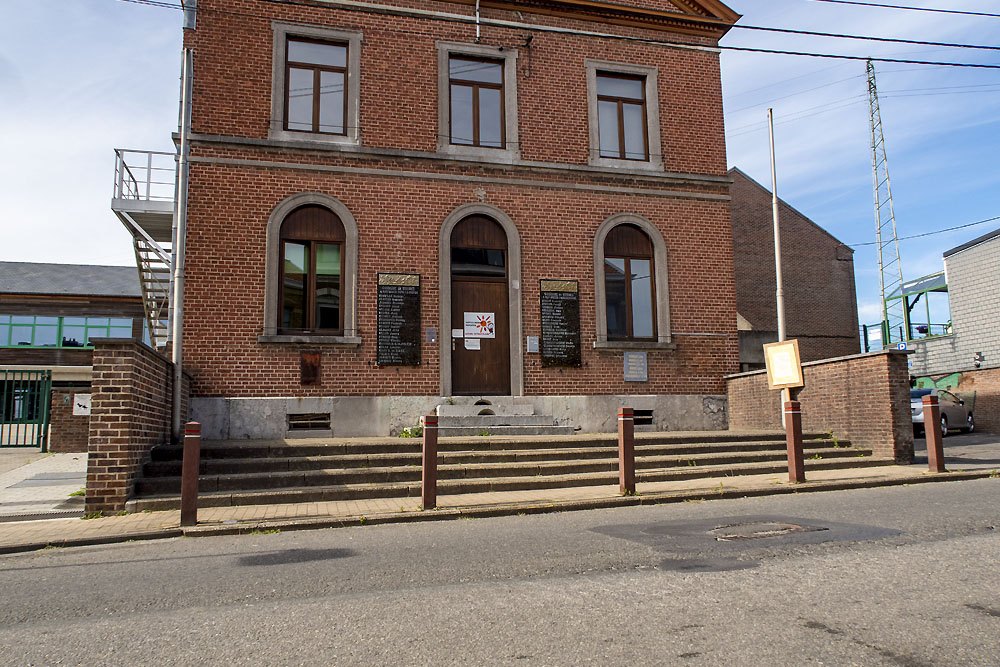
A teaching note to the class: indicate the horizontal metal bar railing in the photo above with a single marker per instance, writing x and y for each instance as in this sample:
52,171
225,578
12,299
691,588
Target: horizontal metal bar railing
144,175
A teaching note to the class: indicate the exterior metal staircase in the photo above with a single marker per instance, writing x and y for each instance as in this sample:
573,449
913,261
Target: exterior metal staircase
144,201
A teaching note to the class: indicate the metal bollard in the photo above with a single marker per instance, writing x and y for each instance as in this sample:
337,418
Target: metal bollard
428,479
932,432
626,451
189,474
793,438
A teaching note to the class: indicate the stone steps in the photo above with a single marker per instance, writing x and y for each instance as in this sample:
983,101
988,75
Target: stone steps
262,472
355,491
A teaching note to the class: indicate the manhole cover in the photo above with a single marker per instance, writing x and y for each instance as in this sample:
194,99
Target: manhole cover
758,530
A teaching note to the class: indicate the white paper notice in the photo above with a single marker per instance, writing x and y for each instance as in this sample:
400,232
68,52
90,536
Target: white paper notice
480,325
456,333
472,344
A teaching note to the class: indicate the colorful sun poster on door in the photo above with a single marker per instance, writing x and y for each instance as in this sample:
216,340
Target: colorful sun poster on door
480,325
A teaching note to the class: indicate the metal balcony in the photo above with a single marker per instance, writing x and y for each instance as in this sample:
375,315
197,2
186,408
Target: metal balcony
143,200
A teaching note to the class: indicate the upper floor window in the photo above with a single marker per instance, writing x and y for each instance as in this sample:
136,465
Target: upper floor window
315,85
477,94
628,284
44,331
476,90
315,94
311,260
621,116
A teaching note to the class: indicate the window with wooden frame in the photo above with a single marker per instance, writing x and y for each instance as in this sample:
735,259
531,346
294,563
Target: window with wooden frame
476,95
315,86
311,265
621,116
629,288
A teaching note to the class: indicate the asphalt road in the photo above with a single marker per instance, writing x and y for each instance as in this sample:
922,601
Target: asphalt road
896,576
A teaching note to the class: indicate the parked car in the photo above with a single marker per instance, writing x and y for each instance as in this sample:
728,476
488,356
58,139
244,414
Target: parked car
954,412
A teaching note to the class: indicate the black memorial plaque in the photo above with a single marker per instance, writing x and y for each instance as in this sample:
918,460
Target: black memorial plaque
398,299
560,343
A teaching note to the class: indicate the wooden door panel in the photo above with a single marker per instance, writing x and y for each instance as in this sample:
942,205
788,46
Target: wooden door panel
485,371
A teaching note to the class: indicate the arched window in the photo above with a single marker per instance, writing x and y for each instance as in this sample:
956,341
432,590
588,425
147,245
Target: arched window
628,284
630,267
311,261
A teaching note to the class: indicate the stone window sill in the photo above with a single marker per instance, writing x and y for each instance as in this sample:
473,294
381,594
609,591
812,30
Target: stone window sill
346,341
633,345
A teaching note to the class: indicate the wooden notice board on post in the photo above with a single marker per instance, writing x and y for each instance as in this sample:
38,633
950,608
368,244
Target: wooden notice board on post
398,329
784,366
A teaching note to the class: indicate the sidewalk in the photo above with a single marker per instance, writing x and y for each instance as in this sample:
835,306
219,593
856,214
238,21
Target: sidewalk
974,457
38,486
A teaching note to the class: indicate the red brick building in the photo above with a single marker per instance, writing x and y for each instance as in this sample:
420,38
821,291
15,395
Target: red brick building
554,171
821,309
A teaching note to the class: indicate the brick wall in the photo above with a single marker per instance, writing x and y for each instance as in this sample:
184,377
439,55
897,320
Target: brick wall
130,414
864,398
986,385
817,272
67,432
400,200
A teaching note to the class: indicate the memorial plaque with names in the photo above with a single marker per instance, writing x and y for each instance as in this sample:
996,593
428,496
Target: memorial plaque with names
560,344
398,340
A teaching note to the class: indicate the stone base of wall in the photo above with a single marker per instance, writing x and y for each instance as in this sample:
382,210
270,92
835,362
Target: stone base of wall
67,432
864,398
356,416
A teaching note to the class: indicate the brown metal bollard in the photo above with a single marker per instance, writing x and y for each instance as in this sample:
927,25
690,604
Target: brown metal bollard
189,474
626,451
428,479
932,432
793,438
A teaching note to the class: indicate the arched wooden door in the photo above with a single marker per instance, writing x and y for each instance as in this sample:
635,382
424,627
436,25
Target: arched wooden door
480,357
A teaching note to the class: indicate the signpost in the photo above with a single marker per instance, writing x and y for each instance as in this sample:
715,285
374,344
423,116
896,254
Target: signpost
784,371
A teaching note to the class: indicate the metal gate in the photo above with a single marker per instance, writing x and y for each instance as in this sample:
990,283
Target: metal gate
25,397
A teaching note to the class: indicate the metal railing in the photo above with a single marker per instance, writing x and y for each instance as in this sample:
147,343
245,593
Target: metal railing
144,175
25,398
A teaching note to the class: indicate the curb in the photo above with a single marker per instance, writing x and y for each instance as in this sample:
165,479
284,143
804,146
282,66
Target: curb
508,509
512,509
92,541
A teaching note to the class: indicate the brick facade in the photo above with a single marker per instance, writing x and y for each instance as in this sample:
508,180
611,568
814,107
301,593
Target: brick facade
130,414
67,432
817,271
984,385
864,398
400,189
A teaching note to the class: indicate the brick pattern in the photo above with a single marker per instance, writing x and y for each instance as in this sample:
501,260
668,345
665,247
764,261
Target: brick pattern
130,414
986,386
864,398
67,432
817,272
974,299
399,216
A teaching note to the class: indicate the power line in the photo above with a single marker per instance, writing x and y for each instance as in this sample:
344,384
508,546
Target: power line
551,29
869,38
938,231
915,9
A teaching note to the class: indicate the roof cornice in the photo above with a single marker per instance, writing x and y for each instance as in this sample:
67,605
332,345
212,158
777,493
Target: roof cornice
704,17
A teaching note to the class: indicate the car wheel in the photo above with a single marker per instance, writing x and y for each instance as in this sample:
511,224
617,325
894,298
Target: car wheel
944,426
970,424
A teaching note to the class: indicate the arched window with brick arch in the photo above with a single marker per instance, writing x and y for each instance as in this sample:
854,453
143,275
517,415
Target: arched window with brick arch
311,272
630,276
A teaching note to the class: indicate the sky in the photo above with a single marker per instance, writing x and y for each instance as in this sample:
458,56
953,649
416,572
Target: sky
79,78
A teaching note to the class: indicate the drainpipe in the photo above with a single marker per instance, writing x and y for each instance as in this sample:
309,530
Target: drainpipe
177,309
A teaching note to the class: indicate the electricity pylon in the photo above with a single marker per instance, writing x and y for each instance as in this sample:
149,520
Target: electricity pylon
890,268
